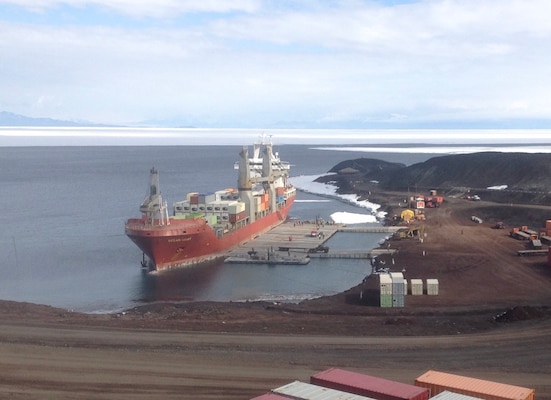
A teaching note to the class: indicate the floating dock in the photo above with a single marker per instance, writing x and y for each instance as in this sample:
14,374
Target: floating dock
295,242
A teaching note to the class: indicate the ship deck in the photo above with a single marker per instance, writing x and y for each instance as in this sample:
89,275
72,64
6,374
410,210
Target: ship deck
293,241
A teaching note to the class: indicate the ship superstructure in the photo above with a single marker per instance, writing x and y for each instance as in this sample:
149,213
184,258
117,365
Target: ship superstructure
205,226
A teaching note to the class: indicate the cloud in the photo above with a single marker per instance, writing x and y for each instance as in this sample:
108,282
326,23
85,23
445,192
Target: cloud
143,8
258,63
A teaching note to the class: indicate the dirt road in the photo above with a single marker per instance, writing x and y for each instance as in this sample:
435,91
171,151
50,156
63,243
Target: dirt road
53,362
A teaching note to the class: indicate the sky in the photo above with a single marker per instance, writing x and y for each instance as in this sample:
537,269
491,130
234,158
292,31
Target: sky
279,63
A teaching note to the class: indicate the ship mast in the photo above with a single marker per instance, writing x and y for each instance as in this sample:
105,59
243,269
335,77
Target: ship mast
263,168
153,206
244,182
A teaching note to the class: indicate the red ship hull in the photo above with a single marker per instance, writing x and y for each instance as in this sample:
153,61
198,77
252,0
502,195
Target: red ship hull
192,241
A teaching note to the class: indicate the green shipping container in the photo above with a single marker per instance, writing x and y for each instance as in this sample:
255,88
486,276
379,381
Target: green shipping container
386,300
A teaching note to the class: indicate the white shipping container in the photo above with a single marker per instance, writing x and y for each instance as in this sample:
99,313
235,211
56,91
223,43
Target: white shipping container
237,208
306,391
397,283
432,287
222,206
416,287
447,395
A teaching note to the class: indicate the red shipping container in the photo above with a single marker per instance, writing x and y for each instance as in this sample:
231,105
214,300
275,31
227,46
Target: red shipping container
366,385
238,217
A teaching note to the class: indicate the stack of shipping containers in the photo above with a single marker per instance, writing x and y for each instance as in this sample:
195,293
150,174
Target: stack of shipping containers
392,289
338,384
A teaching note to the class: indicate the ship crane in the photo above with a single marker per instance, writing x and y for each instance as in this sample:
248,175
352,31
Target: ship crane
153,206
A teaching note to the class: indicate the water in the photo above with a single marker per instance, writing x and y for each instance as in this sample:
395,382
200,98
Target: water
63,211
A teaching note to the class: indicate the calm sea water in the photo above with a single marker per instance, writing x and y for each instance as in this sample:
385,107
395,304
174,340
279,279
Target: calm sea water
62,239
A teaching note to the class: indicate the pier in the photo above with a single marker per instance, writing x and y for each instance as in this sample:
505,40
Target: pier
295,242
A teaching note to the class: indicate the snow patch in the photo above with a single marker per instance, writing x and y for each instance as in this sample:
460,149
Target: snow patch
306,184
500,187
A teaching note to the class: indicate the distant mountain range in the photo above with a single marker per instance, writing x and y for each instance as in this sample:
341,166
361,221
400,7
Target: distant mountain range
11,119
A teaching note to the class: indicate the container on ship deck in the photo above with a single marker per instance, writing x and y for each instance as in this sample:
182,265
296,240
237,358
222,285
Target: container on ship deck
223,206
221,195
194,198
181,206
438,382
238,217
367,385
206,198
258,202
280,190
237,207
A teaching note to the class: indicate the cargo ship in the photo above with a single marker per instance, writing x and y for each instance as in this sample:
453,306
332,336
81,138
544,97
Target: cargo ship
205,227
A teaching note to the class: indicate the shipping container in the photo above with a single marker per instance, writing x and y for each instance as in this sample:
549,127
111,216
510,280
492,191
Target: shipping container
367,385
237,207
447,395
397,289
385,284
270,396
432,287
190,195
306,391
194,198
206,198
238,217
437,382
385,300
397,282
416,287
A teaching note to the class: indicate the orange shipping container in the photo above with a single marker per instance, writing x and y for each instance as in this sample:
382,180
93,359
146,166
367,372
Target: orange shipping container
438,382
